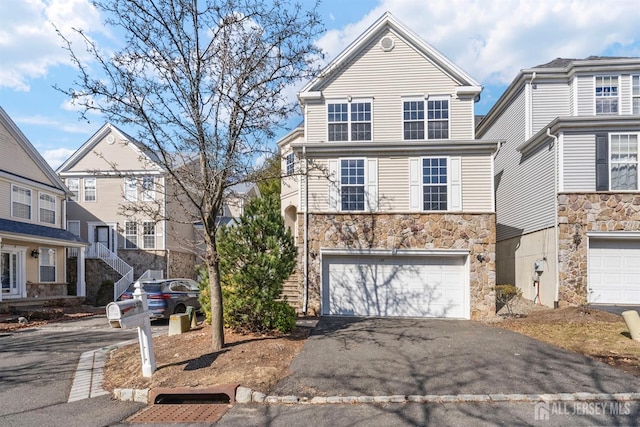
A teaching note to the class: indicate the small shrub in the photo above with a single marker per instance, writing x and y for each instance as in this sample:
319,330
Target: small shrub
505,295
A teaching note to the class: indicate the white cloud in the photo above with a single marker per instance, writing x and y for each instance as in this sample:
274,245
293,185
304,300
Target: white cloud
494,39
56,157
29,44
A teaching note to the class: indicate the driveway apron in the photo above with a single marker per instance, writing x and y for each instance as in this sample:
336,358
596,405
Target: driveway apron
372,356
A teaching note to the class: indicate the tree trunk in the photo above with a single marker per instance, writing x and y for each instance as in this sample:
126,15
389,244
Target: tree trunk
217,323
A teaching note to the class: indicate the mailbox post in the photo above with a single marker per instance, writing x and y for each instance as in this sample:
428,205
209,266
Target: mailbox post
131,314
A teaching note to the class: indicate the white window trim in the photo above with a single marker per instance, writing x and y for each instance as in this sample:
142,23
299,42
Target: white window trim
454,184
130,189
77,188
55,208
426,99
610,163
125,235
84,188
349,101
55,265
595,79
30,202
155,235
370,184
148,196
631,90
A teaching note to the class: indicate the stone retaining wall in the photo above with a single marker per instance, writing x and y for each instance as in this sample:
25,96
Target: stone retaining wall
473,232
579,214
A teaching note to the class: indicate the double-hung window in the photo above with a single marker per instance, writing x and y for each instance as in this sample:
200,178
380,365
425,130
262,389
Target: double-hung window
131,189
74,186
352,191
20,202
148,235
635,94
47,208
148,188
349,121
606,94
434,184
130,235
47,260
290,163
428,118
90,192
624,162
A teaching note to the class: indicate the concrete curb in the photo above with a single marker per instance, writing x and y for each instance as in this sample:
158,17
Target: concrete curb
246,395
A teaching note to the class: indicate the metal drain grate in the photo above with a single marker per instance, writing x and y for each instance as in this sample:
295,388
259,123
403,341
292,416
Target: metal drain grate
180,413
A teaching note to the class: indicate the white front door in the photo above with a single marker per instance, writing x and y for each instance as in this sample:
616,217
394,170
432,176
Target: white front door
411,286
12,273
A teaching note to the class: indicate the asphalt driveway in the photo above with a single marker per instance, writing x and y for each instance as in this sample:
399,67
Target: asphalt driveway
366,356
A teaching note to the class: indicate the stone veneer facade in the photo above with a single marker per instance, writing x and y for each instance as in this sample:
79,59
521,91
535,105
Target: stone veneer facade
473,232
579,214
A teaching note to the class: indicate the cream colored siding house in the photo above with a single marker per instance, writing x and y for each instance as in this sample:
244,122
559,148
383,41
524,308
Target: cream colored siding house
567,196
33,235
388,192
107,174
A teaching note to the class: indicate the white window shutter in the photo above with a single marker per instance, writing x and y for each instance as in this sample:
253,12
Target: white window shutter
415,179
334,184
455,174
372,184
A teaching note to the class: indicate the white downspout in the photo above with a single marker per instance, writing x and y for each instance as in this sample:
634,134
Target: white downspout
555,214
305,290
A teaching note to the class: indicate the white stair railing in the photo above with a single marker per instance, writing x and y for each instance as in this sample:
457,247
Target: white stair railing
152,275
98,250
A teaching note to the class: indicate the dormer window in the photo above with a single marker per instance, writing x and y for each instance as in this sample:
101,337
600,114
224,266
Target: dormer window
606,95
349,121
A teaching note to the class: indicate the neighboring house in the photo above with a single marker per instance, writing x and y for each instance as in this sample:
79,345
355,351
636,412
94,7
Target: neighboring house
33,239
389,194
567,197
236,199
107,174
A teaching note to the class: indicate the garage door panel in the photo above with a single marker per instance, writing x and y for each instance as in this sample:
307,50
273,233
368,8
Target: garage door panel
403,286
614,271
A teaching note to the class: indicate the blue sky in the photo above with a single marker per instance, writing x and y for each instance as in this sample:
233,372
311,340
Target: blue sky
490,39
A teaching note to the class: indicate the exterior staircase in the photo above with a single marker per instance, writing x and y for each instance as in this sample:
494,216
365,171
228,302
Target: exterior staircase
291,291
98,250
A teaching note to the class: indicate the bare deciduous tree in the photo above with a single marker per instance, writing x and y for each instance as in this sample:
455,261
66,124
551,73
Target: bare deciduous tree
204,84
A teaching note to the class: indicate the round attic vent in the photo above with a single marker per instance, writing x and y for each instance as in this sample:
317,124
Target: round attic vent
387,43
111,139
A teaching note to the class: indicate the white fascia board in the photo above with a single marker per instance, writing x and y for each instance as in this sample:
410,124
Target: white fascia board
468,90
310,95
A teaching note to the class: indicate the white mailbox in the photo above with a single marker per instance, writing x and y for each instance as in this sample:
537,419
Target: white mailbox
126,314
134,313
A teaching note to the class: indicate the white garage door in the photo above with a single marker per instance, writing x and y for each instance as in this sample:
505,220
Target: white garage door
413,286
614,271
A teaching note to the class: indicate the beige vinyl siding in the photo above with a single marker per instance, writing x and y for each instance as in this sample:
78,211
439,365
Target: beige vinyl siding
550,100
524,186
376,74
318,187
289,192
393,189
5,194
579,162
104,156
14,159
477,183
586,101
572,95
105,209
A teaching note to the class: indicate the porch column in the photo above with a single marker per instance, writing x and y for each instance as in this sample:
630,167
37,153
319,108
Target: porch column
81,286
0,264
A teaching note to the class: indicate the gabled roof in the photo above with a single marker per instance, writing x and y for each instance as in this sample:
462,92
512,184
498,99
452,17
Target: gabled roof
40,232
387,20
32,152
107,128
